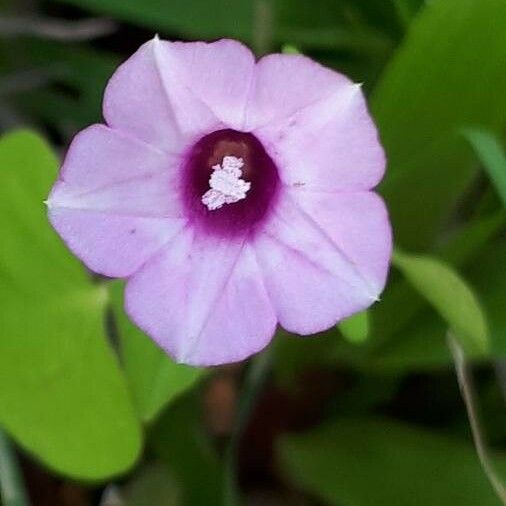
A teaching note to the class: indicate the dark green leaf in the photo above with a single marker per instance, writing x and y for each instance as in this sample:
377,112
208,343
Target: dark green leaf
179,439
419,346
76,77
448,74
198,18
450,296
356,462
491,154
488,275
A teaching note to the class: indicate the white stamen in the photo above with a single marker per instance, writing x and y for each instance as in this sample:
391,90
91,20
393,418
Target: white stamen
226,185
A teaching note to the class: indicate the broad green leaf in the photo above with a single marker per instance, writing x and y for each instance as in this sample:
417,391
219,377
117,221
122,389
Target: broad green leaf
62,395
358,462
449,73
450,296
180,440
154,378
356,328
492,156
198,18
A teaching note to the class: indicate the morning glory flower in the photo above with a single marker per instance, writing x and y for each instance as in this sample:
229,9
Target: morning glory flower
233,195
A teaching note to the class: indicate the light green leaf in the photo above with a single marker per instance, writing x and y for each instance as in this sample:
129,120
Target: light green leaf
450,296
154,378
491,154
448,74
356,328
62,396
406,334
357,462
289,49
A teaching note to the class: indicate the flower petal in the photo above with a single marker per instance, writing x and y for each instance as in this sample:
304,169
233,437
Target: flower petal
136,101
116,201
215,75
284,84
331,145
358,223
171,93
203,300
106,170
115,246
311,279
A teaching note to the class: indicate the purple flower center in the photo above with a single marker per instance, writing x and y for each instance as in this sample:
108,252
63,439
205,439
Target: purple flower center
230,182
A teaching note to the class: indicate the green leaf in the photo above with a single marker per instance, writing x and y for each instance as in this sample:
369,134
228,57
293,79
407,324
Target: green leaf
356,328
419,346
448,74
491,154
450,296
407,335
180,440
488,275
62,395
198,18
400,304
293,356
154,378
470,240
357,462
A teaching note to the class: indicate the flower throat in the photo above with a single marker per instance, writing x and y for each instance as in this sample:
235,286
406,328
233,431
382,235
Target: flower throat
230,182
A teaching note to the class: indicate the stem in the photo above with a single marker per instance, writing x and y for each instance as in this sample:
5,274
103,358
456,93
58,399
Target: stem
56,29
467,389
12,489
253,383
262,26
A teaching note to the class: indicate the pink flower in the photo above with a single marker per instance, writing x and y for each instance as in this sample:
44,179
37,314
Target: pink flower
233,194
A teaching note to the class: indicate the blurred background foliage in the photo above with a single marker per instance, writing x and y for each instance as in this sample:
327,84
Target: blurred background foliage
367,414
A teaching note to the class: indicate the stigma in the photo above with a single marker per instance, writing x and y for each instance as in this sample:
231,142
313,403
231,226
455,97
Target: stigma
225,184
